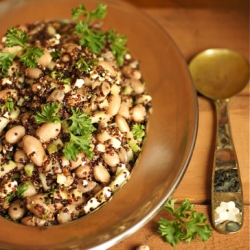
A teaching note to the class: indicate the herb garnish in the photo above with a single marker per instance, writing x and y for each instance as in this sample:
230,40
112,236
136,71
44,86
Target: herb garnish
94,39
9,105
15,37
138,130
187,223
78,125
118,46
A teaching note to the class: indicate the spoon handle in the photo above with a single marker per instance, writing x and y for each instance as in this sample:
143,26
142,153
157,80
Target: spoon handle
227,196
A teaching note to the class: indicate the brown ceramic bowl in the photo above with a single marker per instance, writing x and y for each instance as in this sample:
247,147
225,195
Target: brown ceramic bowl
168,147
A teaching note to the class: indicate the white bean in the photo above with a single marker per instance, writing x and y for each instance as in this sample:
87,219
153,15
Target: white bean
77,162
103,136
16,209
131,73
33,73
33,221
37,205
15,67
138,113
68,213
111,159
4,94
122,124
114,104
107,66
12,50
86,186
3,123
137,86
83,171
45,59
105,88
48,131
20,156
15,134
33,148
56,95
101,174
30,191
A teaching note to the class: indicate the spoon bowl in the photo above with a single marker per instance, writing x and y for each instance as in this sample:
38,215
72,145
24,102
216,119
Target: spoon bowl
220,74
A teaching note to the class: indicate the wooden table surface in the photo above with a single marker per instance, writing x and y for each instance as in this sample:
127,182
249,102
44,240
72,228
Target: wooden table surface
196,25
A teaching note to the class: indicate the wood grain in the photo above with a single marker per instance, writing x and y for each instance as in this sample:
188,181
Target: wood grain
194,26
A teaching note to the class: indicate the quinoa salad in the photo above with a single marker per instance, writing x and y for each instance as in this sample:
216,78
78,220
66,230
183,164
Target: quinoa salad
73,117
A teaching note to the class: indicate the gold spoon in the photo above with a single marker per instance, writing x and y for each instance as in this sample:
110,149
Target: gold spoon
220,74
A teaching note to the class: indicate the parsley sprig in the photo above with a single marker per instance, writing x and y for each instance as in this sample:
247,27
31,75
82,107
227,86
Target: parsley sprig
95,39
28,53
78,125
138,130
9,105
187,223
91,38
118,45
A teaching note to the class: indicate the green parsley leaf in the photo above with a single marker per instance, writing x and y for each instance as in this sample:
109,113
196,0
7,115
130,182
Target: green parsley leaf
49,113
80,130
76,145
16,37
85,64
118,46
9,105
6,60
138,130
99,13
10,196
22,188
29,57
80,123
94,40
187,223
